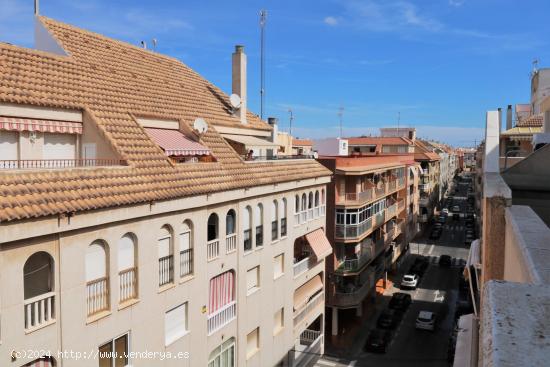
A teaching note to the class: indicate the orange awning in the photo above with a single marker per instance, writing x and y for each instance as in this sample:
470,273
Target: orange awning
319,243
303,294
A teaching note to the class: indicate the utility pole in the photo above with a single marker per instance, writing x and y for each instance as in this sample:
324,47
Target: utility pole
263,20
340,115
290,121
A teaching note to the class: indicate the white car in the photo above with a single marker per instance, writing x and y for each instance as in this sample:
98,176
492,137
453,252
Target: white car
409,281
456,208
445,211
426,320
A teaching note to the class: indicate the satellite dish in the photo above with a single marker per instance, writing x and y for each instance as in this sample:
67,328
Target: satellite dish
200,125
235,100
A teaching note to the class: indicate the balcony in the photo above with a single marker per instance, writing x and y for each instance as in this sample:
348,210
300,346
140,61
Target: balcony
230,243
59,163
39,311
127,280
221,317
356,198
303,265
212,249
186,262
391,211
400,205
166,270
97,295
351,231
307,346
354,265
300,315
351,297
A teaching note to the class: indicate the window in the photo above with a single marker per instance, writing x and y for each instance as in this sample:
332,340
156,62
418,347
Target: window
252,342
186,249
38,274
252,280
175,324
274,221
224,355
278,265
221,301
316,199
115,352
304,202
247,236
59,146
283,218
9,146
310,201
258,220
166,260
297,205
212,227
230,222
127,270
278,321
97,280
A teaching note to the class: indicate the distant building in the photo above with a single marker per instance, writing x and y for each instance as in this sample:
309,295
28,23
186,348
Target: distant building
404,132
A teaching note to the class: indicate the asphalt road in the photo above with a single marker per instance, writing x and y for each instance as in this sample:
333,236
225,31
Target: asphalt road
437,292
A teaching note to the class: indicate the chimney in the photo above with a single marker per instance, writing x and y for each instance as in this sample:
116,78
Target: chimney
272,121
499,120
509,117
239,80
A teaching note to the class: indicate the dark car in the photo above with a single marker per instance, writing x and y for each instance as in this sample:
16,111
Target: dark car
436,233
445,261
400,301
378,341
389,319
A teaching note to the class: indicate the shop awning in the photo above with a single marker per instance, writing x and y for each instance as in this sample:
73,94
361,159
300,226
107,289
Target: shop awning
303,294
49,126
250,141
174,143
319,243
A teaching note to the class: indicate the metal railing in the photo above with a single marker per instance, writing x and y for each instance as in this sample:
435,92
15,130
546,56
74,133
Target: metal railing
186,262
127,283
303,357
212,249
39,311
58,163
260,158
230,243
166,270
300,314
221,317
346,231
97,295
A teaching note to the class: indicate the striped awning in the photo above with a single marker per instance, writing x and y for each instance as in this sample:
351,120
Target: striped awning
319,243
303,294
174,143
48,126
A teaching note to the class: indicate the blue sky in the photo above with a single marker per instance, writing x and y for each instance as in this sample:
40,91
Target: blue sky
440,63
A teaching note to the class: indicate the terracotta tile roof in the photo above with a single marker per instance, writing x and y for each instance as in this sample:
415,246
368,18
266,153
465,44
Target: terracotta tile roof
302,142
531,121
111,82
423,152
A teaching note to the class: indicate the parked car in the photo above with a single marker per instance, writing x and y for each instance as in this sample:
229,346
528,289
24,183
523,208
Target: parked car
426,320
389,319
378,341
445,211
445,261
436,233
455,208
400,301
409,281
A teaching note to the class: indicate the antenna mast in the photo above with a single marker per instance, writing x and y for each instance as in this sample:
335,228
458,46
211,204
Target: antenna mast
263,20
398,121
290,121
340,114
36,7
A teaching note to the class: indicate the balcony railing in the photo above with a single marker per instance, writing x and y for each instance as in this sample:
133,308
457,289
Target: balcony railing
380,191
401,205
127,280
296,219
348,231
166,270
352,265
323,210
352,298
401,181
221,317
97,295
39,311
391,211
392,185
310,214
379,219
230,243
300,314
186,262
264,158
303,265
356,197
212,249
58,163
303,216
308,346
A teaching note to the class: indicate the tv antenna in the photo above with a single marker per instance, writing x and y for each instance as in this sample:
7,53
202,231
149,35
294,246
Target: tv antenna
154,41
340,115
398,121
290,121
263,20
200,126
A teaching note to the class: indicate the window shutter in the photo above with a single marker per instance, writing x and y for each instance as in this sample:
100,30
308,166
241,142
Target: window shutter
175,323
59,146
125,253
9,141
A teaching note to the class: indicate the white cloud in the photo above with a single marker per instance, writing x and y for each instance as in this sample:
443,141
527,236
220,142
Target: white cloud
457,3
332,21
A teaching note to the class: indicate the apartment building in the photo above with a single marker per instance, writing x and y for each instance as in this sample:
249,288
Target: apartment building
372,207
429,181
142,215
507,266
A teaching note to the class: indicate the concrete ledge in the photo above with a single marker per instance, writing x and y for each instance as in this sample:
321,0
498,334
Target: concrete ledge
495,186
515,328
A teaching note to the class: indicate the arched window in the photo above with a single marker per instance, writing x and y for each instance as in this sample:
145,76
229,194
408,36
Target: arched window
317,199
323,202
213,227
259,221
297,205
304,202
186,248
166,255
230,220
274,220
38,273
310,201
127,269
283,217
97,277
247,228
